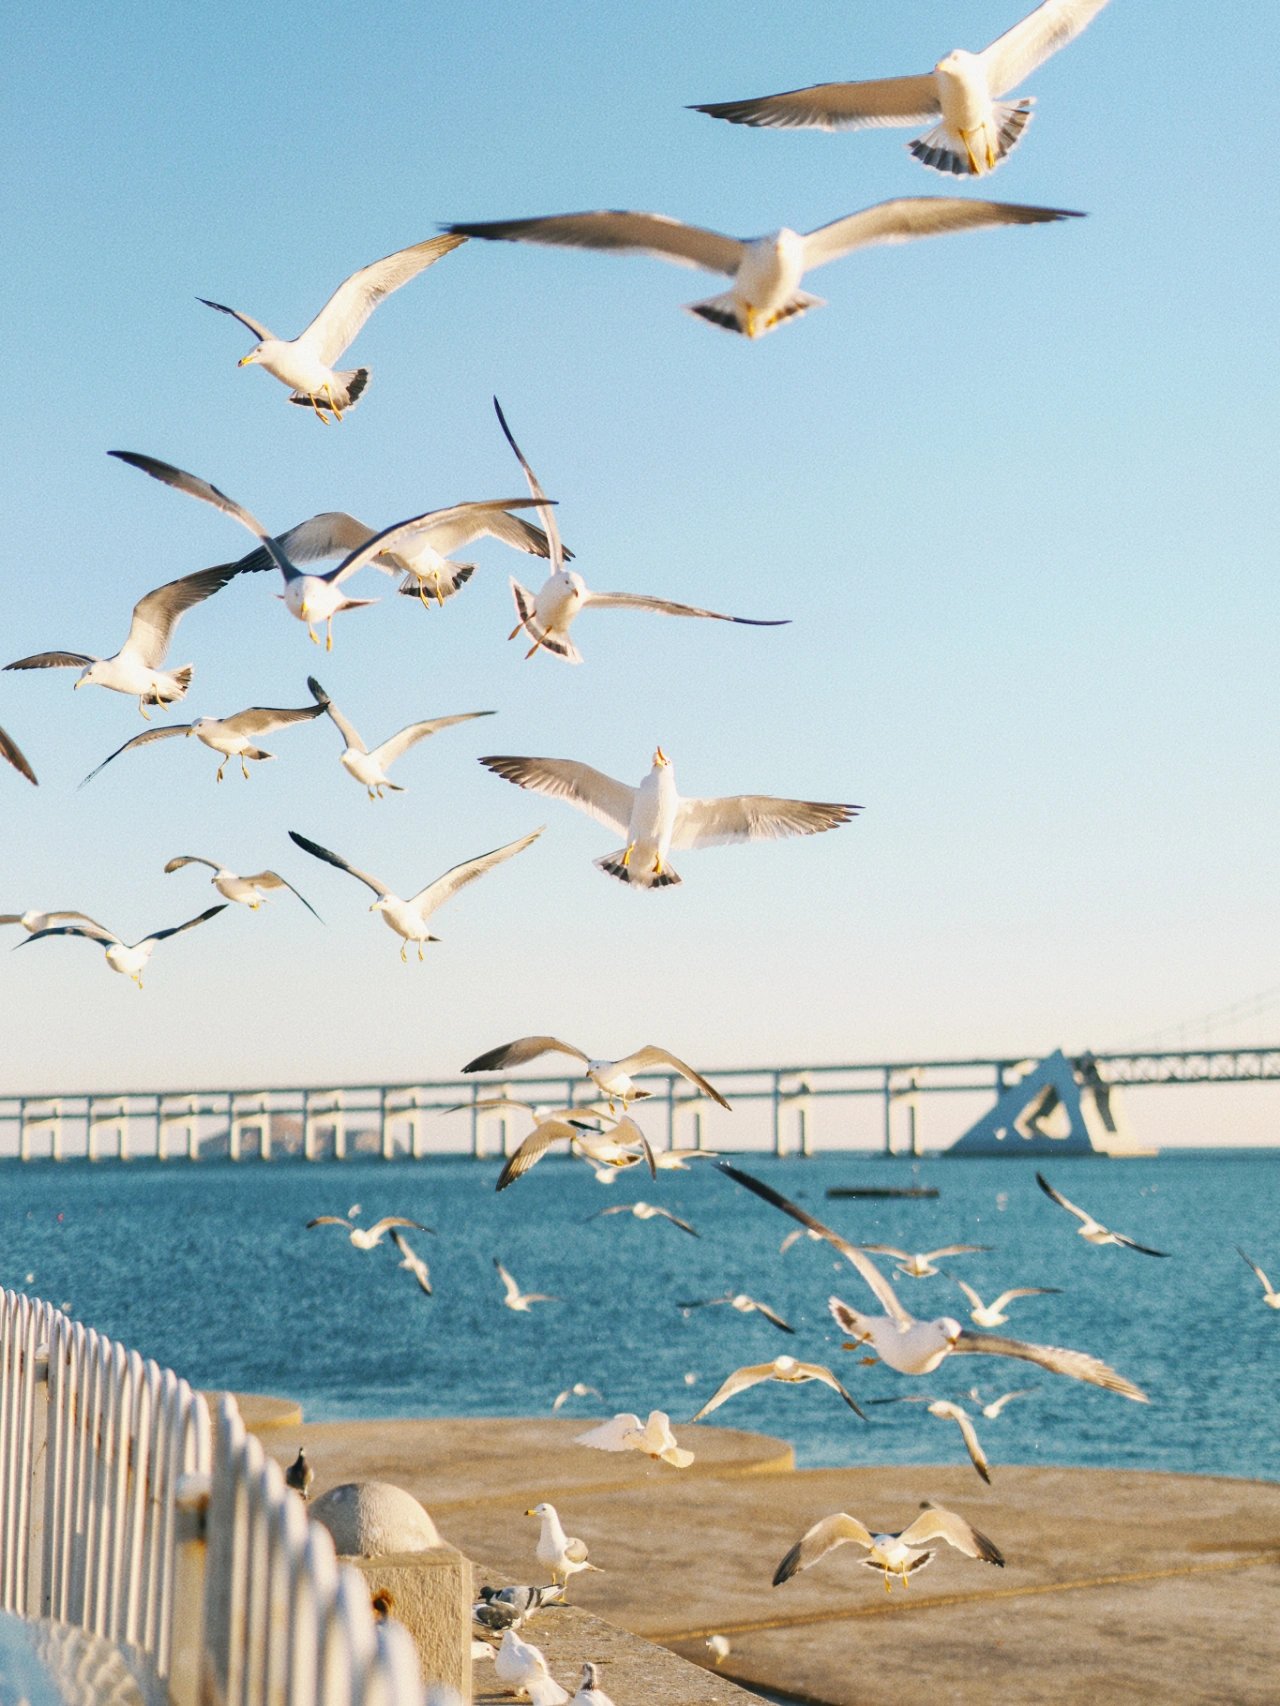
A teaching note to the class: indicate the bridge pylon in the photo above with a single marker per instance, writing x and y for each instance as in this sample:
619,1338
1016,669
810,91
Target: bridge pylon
1055,1107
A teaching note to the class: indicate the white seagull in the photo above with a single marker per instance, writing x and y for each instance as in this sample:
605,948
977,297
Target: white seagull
644,1211
626,1432
977,130
547,615
920,1264
895,1554
128,958
305,363
654,818
248,891
367,1237
408,918
993,1409
523,1669
946,1411
766,271
412,1261
235,736
911,1346
1270,1296
579,1389
992,1314
624,1146
1091,1230
589,1691
369,767
563,1554
519,1300
743,1304
785,1369
615,1078
12,753
32,922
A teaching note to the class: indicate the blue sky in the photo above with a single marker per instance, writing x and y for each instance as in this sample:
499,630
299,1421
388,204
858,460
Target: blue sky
1011,487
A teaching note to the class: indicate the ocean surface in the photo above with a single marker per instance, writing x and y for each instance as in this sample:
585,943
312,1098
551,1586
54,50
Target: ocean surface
210,1270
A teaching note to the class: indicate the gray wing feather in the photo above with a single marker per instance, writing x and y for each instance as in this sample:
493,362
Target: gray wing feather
52,660
753,817
837,106
520,1052
261,719
10,750
356,297
666,607
910,217
600,796
318,852
144,739
1076,1365
188,859
391,749
644,233
177,929
545,513
1017,53
444,888
255,326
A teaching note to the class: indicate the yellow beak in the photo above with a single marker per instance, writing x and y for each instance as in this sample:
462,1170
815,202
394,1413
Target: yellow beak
245,360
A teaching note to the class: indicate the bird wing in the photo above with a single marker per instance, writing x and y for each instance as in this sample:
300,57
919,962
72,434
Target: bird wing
1265,1282
273,880
189,859
753,817
329,534
417,1267
177,929
346,729
143,739
652,1055
447,530
545,512
816,1371
384,1225
772,1315
1019,1291
612,228
328,1220
318,852
954,1250
737,1382
10,750
889,1250
261,719
1076,1365
255,326
94,932
156,615
817,1541
195,487
954,1413
534,1147
702,1302
512,1289
391,749
356,297
1061,1201
836,106
934,1523
994,1409
1132,1244
642,601
851,1252
52,660
520,1052
676,1221
909,217
427,900
600,796
1016,53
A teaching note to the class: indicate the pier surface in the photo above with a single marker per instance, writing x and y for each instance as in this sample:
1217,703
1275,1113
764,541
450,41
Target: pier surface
1119,1586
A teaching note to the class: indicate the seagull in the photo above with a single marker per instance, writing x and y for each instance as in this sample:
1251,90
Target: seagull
626,1432
743,1304
520,1301
795,1237
785,1369
370,768
367,1237
408,918
1091,1230
766,271
1270,1296
422,553
920,1264
579,1389
33,922
249,891
547,615
978,129
411,1260
946,1411
992,1314
523,1669
300,1475
677,1160
895,1554
911,1346
643,1211
625,1146
654,818
233,737
589,1691
305,363
12,753
128,958
563,1554
992,1410
615,1078
719,1648
138,667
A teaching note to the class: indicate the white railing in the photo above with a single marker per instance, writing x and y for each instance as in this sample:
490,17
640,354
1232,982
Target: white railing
125,1511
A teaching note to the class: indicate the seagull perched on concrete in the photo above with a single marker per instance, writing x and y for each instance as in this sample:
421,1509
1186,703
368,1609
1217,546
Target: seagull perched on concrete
766,271
547,616
369,768
235,736
978,129
590,1692
519,1300
911,1346
12,753
128,958
1270,1296
408,918
643,1211
743,1304
305,363
615,1078
248,891
563,1554
654,818
784,1369
895,1554
523,1669
920,1264
947,1411
368,1237
1091,1230
992,1314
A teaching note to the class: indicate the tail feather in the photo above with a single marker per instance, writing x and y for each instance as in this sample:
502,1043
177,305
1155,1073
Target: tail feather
726,311
634,875
346,394
942,151
436,591
182,677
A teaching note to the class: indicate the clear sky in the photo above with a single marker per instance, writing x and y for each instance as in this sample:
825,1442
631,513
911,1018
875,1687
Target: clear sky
1015,489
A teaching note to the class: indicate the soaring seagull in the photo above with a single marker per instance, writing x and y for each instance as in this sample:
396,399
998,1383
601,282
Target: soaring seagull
785,1369
920,1264
644,1211
615,1078
744,1304
305,363
128,958
408,918
977,130
247,891
1091,1230
946,1411
766,271
235,736
12,753
895,1554
654,818
33,922
369,767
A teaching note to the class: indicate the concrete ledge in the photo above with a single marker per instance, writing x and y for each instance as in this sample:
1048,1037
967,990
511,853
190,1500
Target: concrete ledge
431,1594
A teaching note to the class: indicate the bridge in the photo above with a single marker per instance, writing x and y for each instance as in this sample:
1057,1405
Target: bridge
858,1106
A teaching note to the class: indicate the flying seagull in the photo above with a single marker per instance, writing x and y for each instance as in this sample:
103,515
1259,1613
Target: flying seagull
992,1314
408,918
911,1346
33,922
128,958
895,1554
519,1300
615,1078
654,818
547,615
743,1304
920,1264
626,1432
579,1389
248,891
367,1237
644,1211
784,1369
234,736
305,363
1270,1296
12,753
1091,1230
563,1554
977,130
369,768
624,1146
993,1409
766,271
946,1411
412,1261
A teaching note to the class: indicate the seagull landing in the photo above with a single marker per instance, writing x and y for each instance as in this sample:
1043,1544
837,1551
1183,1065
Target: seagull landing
625,1432
128,958
1091,1230
992,1314
367,767
895,1554
946,1411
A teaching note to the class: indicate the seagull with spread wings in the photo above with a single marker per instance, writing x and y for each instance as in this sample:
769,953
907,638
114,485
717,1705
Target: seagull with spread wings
784,1369
412,1261
895,1554
33,922
367,1237
978,129
1270,1296
655,818
644,1211
13,754
946,1411
614,1078
128,958
247,891
992,1314
742,1303
1091,1230
766,271
920,1264
624,1146
369,766
992,1410
513,1297
235,736
547,615
408,918
305,363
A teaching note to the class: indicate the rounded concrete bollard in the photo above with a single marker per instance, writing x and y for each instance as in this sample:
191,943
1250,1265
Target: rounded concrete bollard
368,1519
